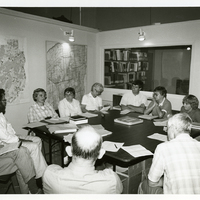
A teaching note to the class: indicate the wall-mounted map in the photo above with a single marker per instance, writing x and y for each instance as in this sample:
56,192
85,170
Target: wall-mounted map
66,67
13,68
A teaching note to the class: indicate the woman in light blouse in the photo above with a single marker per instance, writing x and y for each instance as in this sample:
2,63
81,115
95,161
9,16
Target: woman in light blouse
40,110
69,106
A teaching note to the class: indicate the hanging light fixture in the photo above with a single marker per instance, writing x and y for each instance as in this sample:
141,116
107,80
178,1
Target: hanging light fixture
71,37
141,35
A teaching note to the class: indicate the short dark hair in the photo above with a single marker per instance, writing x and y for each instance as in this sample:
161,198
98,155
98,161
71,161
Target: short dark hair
139,83
2,93
70,90
88,154
161,90
192,100
36,91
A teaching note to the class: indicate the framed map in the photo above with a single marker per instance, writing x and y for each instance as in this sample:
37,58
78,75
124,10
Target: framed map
66,67
13,67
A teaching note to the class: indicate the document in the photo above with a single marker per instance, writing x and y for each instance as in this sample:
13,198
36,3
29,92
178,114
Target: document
148,117
160,123
124,112
158,136
34,124
101,130
62,128
112,146
127,120
88,115
55,121
137,150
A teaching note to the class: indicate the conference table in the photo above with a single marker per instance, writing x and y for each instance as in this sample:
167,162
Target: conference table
129,135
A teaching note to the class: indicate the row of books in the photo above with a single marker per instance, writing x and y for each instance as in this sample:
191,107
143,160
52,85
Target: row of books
125,55
126,67
124,77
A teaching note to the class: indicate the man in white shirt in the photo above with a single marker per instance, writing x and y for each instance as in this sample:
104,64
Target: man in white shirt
80,177
92,102
134,101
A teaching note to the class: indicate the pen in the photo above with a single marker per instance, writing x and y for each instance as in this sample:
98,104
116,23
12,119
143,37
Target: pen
115,146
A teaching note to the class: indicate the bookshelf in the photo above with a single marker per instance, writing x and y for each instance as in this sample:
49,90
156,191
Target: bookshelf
122,66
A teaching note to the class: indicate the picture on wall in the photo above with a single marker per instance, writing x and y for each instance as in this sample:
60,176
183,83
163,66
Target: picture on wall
66,67
13,67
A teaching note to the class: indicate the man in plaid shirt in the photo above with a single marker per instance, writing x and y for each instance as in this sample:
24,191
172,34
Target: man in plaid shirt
176,163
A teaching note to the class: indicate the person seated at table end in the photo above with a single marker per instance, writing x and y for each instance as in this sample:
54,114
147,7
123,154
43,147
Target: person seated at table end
160,105
80,176
69,106
40,110
190,106
134,101
92,102
175,165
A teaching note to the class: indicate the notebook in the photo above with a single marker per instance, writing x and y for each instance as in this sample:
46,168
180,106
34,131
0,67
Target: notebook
127,120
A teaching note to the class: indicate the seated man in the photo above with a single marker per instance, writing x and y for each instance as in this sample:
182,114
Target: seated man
93,101
20,161
175,165
134,101
33,144
80,177
160,105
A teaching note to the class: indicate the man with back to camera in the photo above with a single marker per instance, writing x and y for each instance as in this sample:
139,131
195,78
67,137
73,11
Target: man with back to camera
134,101
80,177
176,164
92,102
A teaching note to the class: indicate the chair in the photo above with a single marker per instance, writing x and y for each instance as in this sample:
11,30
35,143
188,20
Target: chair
7,180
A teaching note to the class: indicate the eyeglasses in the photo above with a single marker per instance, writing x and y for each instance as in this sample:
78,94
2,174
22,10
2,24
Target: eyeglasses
97,91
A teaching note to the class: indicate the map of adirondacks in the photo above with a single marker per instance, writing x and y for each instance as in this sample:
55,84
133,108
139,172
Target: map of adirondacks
66,67
13,68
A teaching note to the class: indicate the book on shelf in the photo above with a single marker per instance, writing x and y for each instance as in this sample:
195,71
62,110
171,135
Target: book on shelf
78,119
128,120
148,117
8,147
62,128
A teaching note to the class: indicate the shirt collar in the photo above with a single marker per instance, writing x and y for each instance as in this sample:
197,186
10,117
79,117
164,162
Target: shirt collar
161,104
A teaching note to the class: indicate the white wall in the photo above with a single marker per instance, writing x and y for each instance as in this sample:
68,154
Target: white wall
183,33
37,31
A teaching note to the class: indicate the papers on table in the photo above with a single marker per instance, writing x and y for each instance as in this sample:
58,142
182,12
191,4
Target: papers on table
157,136
116,107
34,124
101,130
54,121
105,109
112,146
124,112
62,128
196,125
88,115
160,123
148,117
68,138
137,150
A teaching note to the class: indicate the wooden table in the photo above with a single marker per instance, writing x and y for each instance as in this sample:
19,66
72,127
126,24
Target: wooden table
130,135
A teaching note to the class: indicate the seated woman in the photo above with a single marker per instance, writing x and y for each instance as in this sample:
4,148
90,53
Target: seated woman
190,106
160,105
69,106
40,110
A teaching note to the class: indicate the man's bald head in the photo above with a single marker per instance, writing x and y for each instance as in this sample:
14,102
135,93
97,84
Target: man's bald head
86,143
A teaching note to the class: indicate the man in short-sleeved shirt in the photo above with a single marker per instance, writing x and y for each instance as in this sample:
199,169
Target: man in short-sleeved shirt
80,177
93,101
134,101
175,165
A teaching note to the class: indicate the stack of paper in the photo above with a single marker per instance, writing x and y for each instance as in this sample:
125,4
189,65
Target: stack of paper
88,115
62,128
78,119
157,136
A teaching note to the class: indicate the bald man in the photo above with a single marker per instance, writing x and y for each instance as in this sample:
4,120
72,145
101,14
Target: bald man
80,177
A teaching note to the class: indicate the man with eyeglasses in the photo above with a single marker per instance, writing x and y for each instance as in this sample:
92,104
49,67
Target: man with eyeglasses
134,100
92,102
175,167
